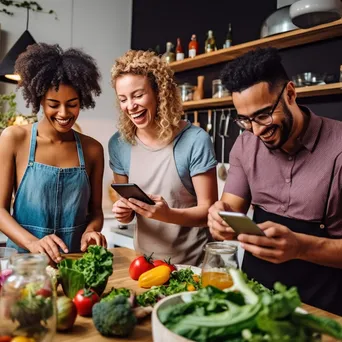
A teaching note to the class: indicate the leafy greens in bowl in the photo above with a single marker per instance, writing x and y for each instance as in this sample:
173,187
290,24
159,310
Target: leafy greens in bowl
238,314
90,271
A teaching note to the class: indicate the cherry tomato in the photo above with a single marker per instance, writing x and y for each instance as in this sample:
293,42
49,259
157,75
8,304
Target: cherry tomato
166,263
158,262
140,265
44,292
5,338
85,300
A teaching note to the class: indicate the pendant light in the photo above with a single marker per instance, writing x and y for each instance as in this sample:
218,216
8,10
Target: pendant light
309,13
7,64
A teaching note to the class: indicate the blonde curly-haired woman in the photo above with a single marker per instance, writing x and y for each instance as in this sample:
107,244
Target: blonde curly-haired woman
168,158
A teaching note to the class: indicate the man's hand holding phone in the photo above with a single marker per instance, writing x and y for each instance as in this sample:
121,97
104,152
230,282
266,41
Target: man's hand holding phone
219,229
279,244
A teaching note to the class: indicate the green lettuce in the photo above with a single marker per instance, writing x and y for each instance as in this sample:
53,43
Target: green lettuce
90,271
215,315
70,277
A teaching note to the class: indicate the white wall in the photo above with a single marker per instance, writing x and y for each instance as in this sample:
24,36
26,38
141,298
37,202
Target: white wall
101,28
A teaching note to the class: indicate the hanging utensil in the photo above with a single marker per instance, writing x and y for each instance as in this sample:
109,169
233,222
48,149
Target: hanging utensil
209,125
222,172
214,127
196,123
226,127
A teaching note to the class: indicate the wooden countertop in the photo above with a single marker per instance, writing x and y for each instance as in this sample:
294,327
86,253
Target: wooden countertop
85,331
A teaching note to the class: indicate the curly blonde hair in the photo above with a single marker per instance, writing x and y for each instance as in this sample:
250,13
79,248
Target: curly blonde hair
160,76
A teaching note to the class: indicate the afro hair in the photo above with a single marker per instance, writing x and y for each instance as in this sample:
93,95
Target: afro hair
259,65
43,66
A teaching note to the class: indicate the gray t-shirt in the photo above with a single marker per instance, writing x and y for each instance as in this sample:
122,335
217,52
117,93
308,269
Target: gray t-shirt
193,151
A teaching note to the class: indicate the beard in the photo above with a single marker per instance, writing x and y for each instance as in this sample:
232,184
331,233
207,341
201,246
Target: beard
285,128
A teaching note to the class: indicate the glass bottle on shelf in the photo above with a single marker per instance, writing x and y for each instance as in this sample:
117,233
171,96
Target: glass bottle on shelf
27,300
179,51
210,43
229,37
193,47
169,56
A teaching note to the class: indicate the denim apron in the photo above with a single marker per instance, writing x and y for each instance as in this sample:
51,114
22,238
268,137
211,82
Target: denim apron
53,200
318,285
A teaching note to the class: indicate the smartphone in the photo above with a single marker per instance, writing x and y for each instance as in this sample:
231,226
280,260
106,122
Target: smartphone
241,223
130,190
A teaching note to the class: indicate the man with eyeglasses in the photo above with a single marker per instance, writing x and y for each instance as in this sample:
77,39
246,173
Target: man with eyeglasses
288,165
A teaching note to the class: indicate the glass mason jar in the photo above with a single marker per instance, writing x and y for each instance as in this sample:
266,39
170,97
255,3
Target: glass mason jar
27,300
218,89
218,259
5,254
186,91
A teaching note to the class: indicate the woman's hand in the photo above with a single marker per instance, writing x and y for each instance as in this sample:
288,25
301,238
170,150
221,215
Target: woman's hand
92,238
49,245
122,211
159,211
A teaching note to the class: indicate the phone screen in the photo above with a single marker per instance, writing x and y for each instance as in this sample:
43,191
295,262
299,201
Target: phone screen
241,223
130,190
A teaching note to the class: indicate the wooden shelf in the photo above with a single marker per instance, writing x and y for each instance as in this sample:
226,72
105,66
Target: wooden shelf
280,41
320,90
317,90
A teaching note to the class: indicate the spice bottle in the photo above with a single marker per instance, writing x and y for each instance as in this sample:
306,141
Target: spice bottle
179,51
229,37
193,47
210,43
169,56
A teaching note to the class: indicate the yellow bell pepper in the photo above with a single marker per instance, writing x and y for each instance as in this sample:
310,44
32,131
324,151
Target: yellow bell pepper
190,287
154,277
22,339
195,277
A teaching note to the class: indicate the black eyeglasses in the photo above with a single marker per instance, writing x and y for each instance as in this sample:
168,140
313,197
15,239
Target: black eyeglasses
264,119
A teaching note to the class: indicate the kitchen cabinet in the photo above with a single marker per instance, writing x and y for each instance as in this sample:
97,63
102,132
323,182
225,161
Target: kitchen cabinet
116,233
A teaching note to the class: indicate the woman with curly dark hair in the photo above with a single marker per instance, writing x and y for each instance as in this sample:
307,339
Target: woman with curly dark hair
55,172
166,156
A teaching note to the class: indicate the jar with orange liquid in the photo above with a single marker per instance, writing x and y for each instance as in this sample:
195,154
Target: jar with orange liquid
219,258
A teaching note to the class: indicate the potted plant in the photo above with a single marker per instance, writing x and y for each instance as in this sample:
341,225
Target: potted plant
9,115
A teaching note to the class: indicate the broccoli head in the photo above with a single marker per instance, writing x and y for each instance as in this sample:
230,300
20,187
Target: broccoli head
114,318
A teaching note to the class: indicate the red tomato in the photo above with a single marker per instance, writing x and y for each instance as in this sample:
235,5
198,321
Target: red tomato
139,266
5,338
157,263
164,262
85,300
44,292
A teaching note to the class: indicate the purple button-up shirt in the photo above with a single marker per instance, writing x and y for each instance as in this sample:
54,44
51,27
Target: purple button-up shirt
305,186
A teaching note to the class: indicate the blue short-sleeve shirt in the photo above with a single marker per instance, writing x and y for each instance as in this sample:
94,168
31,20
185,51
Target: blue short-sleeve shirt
193,152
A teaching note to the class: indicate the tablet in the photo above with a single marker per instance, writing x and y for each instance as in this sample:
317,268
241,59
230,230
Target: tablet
241,223
130,190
